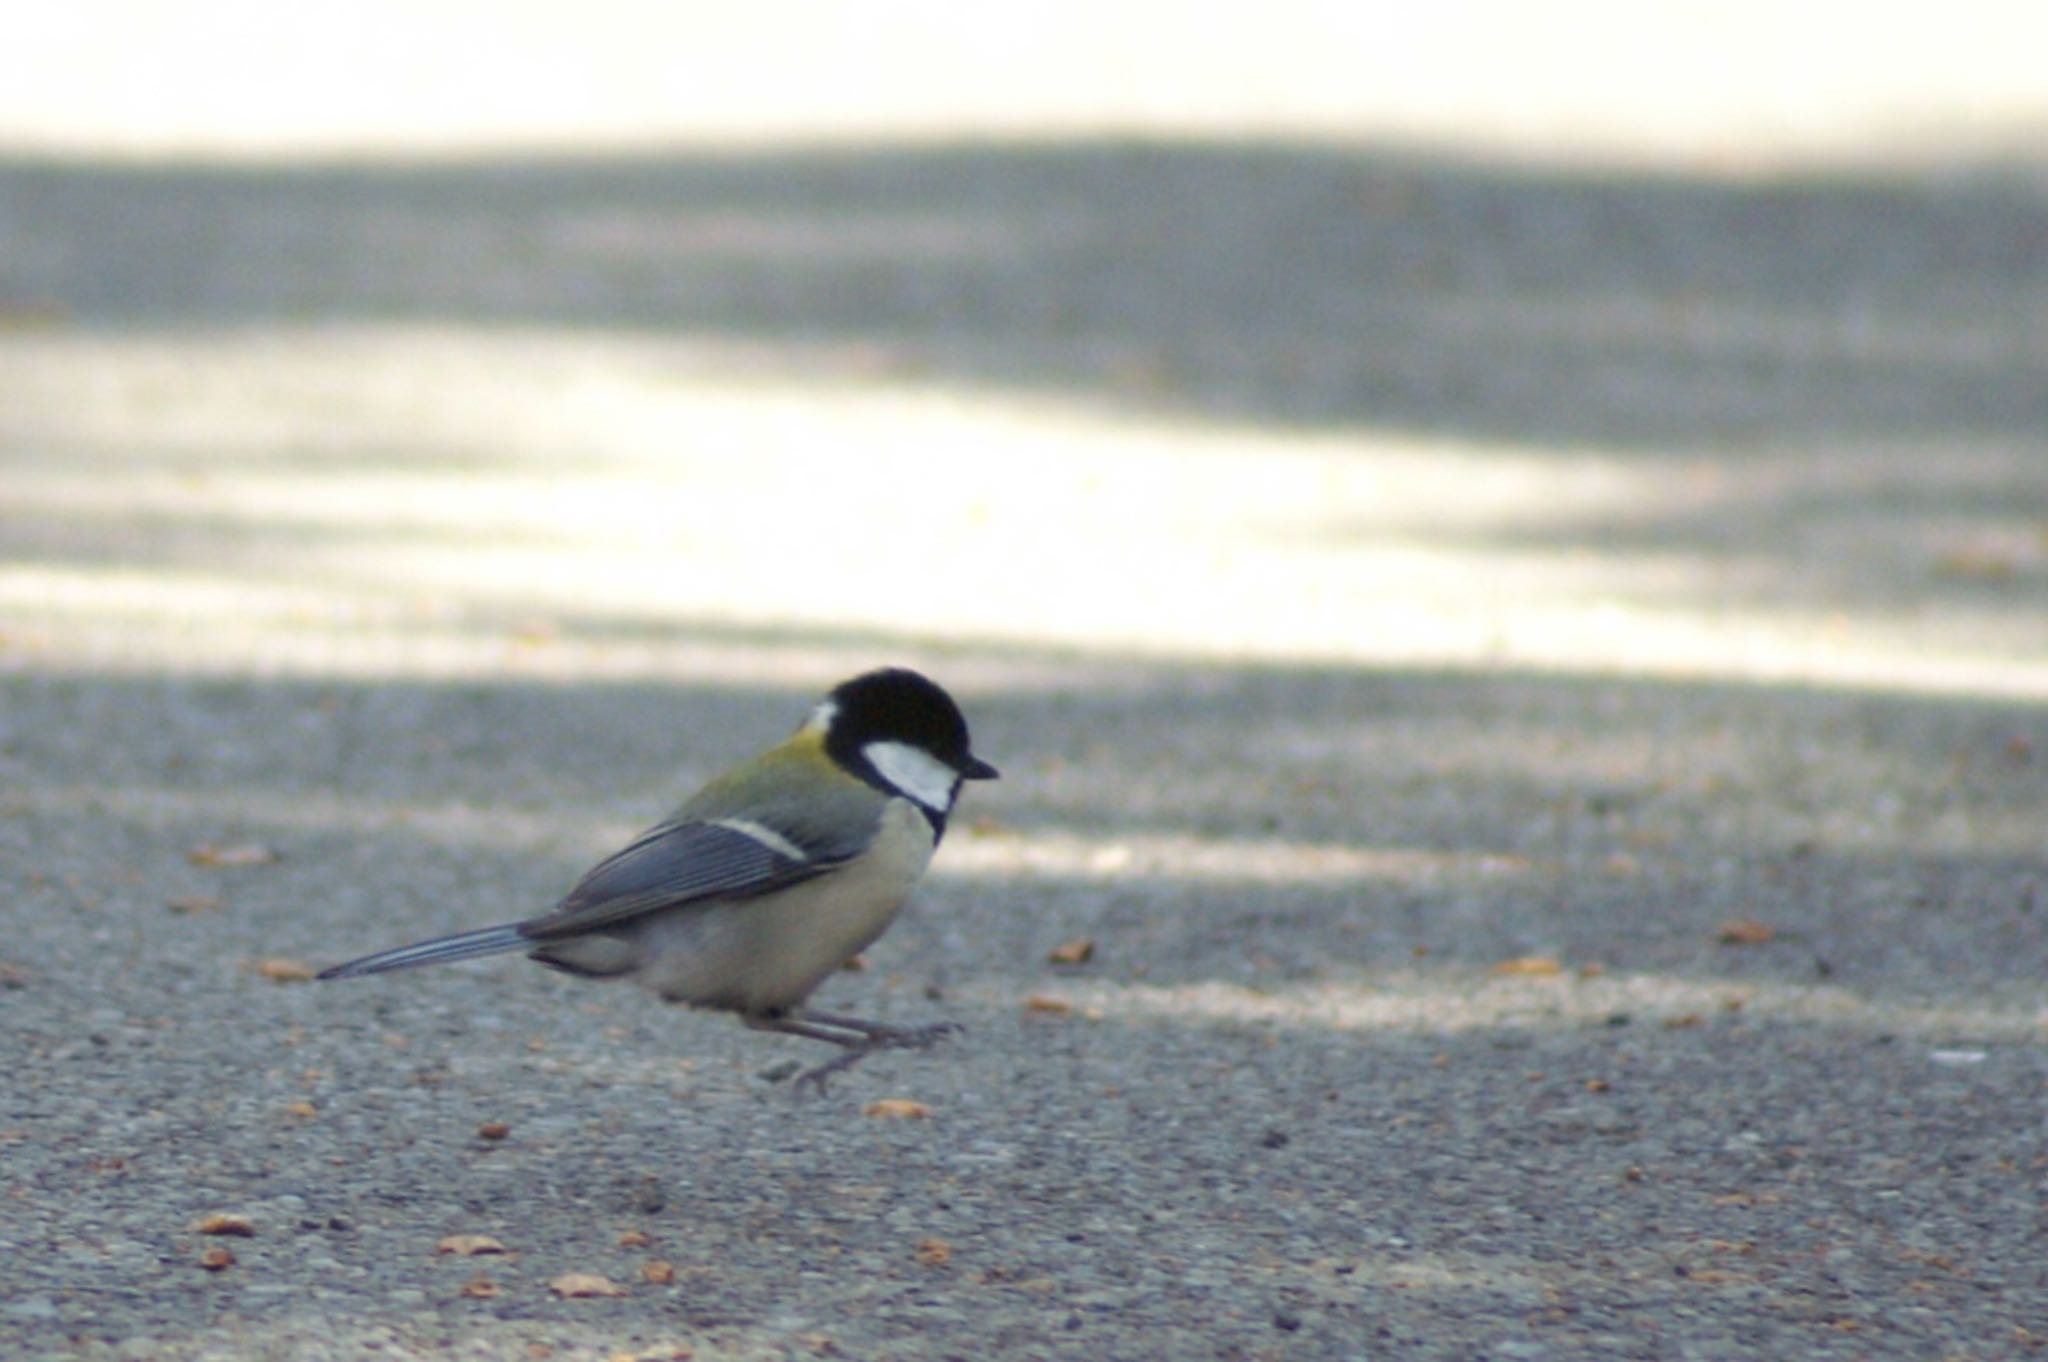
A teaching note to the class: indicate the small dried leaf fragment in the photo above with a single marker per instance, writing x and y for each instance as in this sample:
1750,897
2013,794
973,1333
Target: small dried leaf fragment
1977,563
468,1245
934,1252
897,1109
243,854
1529,967
481,1288
220,1222
217,1258
582,1284
1047,1005
1078,951
658,1272
280,970
1746,932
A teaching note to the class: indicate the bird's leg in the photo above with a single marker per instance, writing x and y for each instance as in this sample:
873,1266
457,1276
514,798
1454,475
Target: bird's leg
880,1037
866,1038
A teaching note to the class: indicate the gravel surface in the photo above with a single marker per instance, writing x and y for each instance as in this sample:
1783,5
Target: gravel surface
1292,1106
1531,684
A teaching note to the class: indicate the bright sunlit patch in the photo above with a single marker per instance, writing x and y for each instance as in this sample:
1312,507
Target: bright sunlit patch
1187,858
1725,86
405,501
1452,1000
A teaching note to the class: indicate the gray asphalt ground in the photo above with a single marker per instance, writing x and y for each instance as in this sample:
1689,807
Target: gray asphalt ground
1413,1026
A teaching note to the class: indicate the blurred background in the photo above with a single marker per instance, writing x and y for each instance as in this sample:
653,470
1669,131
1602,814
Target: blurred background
448,338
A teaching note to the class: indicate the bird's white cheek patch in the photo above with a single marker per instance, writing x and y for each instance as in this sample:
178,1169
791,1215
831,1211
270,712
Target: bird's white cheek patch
914,771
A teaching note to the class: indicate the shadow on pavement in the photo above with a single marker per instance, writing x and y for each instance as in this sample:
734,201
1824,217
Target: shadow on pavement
1273,282
1280,1082
1267,828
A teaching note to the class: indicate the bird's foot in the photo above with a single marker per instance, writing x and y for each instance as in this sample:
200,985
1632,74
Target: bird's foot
873,1036
911,1037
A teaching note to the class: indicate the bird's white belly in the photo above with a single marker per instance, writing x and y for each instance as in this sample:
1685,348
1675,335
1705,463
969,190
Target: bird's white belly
765,954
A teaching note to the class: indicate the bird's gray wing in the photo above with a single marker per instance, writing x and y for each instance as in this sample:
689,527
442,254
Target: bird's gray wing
686,860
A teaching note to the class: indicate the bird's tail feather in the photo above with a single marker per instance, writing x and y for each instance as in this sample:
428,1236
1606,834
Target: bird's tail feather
439,951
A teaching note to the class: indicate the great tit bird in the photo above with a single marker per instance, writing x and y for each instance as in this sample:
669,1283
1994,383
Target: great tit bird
768,879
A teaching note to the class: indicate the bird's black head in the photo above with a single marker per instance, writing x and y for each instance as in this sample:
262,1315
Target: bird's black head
900,732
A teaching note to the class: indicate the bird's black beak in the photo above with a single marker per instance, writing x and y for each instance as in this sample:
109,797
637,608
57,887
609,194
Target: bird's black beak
977,769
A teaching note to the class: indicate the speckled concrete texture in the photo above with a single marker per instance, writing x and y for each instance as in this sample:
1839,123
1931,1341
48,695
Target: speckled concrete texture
1528,673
